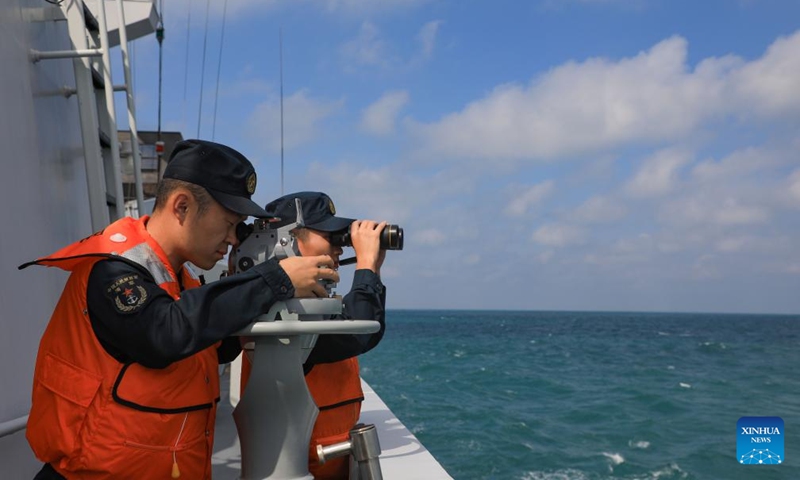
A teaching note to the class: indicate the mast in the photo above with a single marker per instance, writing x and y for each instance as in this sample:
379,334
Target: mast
280,48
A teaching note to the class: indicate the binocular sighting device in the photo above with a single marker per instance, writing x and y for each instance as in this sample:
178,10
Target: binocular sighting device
391,238
259,242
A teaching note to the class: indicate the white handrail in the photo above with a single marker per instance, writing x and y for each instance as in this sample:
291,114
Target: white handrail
13,426
37,55
95,170
116,165
126,67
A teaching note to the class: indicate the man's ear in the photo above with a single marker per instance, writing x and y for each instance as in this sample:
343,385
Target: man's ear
180,205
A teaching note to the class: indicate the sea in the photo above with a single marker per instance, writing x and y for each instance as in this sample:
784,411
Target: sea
590,395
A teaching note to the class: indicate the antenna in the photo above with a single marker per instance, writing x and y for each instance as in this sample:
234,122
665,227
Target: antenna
280,48
219,69
203,70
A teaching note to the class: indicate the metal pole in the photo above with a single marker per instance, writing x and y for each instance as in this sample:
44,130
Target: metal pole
36,55
126,66
280,48
112,112
13,426
87,108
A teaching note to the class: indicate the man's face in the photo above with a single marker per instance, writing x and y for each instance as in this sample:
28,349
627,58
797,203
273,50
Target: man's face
211,234
318,243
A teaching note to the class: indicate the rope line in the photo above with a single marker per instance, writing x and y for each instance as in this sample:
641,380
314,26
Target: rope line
203,70
219,69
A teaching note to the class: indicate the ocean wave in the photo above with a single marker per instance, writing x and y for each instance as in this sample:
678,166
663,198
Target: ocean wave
615,458
641,444
568,474
712,346
671,471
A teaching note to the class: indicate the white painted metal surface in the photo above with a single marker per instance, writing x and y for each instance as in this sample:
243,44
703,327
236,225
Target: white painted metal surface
46,205
403,457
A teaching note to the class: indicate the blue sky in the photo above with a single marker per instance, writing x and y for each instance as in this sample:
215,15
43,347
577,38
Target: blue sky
543,154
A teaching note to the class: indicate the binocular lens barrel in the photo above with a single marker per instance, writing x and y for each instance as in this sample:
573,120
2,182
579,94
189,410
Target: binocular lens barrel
391,238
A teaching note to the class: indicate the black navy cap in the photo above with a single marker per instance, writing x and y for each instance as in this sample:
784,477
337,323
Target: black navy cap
319,213
227,175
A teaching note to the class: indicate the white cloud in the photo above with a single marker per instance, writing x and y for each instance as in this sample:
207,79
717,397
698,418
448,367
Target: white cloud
658,174
625,251
380,117
427,38
558,235
389,193
771,85
368,48
733,213
794,187
753,244
705,268
600,104
706,209
368,6
430,236
599,210
738,164
471,259
239,8
302,115
528,197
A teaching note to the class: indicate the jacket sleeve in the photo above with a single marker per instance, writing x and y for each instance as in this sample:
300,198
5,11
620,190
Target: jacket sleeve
155,330
366,301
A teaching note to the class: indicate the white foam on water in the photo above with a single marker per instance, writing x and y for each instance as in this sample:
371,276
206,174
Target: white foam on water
615,458
669,472
568,474
642,444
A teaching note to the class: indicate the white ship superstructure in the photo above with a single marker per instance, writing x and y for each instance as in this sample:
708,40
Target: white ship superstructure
63,180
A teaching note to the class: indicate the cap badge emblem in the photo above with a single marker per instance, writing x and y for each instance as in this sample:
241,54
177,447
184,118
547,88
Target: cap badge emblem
251,183
331,207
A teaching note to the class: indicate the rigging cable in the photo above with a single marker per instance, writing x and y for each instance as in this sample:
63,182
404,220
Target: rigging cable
160,38
203,70
280,48
186,65
219,69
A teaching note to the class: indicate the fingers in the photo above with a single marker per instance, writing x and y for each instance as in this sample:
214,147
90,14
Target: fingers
367,226
322,261
318,291
305,273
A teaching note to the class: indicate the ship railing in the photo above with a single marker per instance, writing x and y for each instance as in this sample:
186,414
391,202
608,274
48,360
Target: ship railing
103,172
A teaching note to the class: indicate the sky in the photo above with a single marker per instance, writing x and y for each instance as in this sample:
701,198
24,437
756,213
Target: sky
615,155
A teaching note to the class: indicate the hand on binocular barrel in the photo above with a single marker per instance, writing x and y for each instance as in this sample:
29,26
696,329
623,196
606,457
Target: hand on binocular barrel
305,271
366,238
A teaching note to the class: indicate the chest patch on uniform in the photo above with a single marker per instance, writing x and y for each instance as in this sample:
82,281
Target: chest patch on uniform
127,293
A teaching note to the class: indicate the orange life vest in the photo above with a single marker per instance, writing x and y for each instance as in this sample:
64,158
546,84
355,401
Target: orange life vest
95,418
336,389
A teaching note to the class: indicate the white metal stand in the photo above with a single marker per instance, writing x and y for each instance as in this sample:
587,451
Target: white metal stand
276,413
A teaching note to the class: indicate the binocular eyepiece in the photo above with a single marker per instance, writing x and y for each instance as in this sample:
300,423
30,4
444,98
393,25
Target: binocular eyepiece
391,238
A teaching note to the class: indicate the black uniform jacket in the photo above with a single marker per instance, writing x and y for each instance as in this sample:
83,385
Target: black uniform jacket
162,330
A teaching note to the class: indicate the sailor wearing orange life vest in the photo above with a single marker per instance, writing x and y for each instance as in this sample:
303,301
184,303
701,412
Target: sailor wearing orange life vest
126,379
331,369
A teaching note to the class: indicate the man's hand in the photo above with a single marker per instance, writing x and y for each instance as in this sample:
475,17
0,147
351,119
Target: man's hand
305,271
366,238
